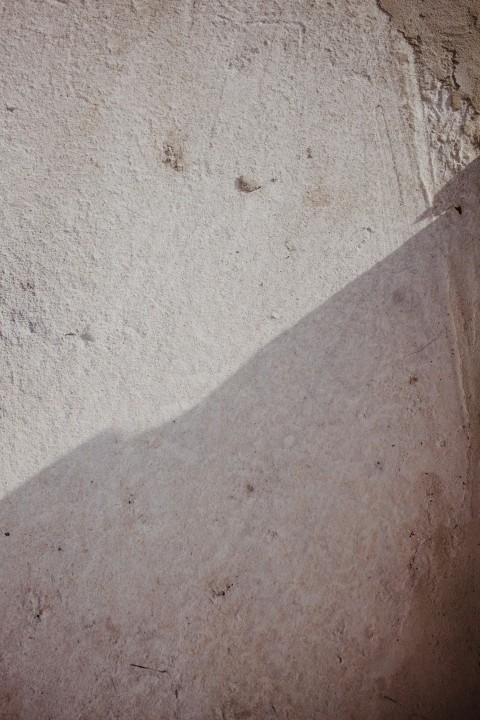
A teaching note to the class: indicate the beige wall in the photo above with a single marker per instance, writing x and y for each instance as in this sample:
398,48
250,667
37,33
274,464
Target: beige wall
238,390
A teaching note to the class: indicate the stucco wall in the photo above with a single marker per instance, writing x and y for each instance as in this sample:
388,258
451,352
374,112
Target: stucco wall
238,390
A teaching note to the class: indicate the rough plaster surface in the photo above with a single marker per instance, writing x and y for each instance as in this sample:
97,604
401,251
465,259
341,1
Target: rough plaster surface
238,392
446,36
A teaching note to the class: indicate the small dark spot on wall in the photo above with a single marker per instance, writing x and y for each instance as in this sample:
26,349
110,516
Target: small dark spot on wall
458,208
221,592
7,534
398,297
87,337
246,184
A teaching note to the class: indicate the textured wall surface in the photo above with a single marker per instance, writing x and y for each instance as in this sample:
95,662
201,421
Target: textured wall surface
238,391
445,36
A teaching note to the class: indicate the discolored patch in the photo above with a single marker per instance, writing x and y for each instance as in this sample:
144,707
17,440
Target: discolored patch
318,197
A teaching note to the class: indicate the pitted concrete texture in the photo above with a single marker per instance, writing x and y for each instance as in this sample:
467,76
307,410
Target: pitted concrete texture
239,389
446,36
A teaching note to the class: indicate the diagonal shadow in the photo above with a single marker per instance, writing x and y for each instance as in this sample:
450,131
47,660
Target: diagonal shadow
300,545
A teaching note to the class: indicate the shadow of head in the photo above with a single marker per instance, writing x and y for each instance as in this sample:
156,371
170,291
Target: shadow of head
297,545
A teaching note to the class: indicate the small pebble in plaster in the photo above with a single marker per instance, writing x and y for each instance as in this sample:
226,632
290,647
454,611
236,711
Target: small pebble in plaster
7,534
273,316
309,153
250,488
413,379
172,156
246,185
10,108
458,208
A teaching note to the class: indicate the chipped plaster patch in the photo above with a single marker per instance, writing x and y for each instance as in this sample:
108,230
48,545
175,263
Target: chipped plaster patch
445,37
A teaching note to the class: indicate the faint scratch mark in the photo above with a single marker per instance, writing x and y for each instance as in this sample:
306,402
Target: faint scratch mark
394,162
411,715
219,105
217,608
414,352
193,11
145,667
